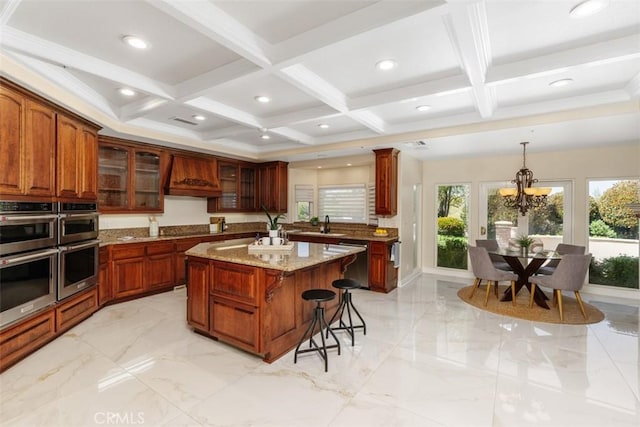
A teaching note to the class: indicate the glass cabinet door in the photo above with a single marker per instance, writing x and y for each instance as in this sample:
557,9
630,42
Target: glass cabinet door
229,183
113,176
247,188
147,180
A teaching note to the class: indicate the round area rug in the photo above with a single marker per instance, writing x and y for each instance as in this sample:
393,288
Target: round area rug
571,309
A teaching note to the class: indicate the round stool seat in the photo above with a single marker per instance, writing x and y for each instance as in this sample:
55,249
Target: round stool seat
345,284
318,295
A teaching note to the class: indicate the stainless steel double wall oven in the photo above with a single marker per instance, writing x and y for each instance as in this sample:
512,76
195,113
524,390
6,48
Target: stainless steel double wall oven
48,252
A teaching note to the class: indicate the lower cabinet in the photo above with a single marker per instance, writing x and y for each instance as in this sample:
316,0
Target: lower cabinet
198,295
75,309
234,322
383,276
18,341
158,266
105,293
127,270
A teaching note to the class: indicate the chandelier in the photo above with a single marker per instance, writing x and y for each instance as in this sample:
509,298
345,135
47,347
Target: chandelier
524,196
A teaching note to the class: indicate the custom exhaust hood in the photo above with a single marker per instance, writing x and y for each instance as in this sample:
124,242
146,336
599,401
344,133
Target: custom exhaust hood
193,176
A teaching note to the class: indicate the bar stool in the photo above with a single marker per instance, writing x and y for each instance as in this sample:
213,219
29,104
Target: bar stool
319,296
346,302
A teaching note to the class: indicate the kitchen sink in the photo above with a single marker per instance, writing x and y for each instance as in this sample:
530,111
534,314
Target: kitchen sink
317,233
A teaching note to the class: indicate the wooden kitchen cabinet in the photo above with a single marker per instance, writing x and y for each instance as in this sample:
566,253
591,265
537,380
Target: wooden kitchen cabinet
238,183
273,186
23,338
77,148
198,295
105,287
383,276
27,152
129,177
127,273
159,265
183,245
75,309
386,203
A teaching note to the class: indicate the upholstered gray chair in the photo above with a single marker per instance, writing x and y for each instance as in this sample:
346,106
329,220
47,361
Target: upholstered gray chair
483,269
568,276
562,249
497,260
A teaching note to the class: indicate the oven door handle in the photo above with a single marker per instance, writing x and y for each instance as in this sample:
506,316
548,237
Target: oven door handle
79,246
78,215
26,217
18,259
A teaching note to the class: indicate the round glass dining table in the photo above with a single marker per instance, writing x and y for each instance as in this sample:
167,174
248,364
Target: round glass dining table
525,265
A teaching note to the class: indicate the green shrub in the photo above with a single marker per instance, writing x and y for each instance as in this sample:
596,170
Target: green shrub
599,228
449,226
452,252
621,271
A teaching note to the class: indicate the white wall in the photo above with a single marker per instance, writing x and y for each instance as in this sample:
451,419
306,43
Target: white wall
410,174
576,165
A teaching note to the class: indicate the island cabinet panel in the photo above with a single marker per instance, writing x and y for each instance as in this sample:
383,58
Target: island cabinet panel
235,282
198,295
16,342
235,323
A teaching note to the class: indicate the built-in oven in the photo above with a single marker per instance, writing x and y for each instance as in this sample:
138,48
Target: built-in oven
78,267
78,222
26,226
27,283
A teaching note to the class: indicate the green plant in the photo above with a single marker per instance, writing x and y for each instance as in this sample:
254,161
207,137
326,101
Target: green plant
449,226
599,228
273,221
524,241
314,220
620,271
452,252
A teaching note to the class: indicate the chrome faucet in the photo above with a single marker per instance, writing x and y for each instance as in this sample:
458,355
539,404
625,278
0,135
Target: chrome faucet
326,224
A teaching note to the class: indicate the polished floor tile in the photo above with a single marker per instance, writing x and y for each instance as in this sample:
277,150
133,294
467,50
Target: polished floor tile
428,359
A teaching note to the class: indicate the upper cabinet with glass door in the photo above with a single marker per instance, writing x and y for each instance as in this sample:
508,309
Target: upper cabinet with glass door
129,177
238,183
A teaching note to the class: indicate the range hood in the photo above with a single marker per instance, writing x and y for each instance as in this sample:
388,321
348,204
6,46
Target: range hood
193,176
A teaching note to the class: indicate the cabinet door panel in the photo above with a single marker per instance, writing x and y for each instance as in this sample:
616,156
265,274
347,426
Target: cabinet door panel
12,135
68,138
40,150
88,166
234,322
128,277
159,271
198,295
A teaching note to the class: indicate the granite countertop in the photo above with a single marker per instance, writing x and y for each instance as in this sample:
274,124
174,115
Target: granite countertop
345,236
302,255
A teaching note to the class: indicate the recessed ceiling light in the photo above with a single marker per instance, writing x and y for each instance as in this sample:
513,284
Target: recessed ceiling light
136,42
263,99
319,167
126,91
423,107
561,82
587,8
386,64
323,126
348,164
199,117
265,136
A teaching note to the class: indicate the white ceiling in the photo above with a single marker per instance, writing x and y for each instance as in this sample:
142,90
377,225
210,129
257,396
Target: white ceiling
484,68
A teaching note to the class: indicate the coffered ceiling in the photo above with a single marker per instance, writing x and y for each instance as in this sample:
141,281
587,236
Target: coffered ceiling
480,69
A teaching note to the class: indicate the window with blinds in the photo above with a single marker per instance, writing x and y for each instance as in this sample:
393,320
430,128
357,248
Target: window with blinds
371,203
304,195
345,203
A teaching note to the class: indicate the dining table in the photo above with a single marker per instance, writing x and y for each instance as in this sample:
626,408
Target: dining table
525,264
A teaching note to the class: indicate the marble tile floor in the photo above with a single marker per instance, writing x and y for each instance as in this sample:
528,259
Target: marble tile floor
428,359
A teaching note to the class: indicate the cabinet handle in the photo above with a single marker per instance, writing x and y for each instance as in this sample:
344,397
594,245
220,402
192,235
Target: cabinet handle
243,311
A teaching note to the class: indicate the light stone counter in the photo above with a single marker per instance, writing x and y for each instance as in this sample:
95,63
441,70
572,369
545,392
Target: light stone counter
301,256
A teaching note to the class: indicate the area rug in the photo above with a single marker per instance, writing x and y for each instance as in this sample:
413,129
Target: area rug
571,309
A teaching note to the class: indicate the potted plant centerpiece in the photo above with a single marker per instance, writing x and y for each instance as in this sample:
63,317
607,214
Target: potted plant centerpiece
525,242
314,221
272,224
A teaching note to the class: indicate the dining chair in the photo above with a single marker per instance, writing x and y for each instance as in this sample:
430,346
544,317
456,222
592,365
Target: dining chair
562,249
568,276
497,260
484,269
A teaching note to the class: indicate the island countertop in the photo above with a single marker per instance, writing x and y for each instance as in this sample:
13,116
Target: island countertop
302,255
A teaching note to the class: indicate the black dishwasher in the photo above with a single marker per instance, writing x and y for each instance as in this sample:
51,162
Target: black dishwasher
359,269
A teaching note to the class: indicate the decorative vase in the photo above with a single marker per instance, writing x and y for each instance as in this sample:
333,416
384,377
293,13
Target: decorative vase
273,233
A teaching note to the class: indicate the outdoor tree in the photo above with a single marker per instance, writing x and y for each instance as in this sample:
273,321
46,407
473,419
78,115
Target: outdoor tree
613,210
448,196
594,212
548,218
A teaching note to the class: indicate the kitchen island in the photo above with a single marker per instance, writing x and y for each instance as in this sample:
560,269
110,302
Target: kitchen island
253,300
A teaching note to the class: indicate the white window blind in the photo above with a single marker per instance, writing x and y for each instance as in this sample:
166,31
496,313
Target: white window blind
304,193
371,204
345,203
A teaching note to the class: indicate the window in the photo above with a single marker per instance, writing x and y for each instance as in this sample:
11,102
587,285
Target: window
304,202
452,209
345,203
373,218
